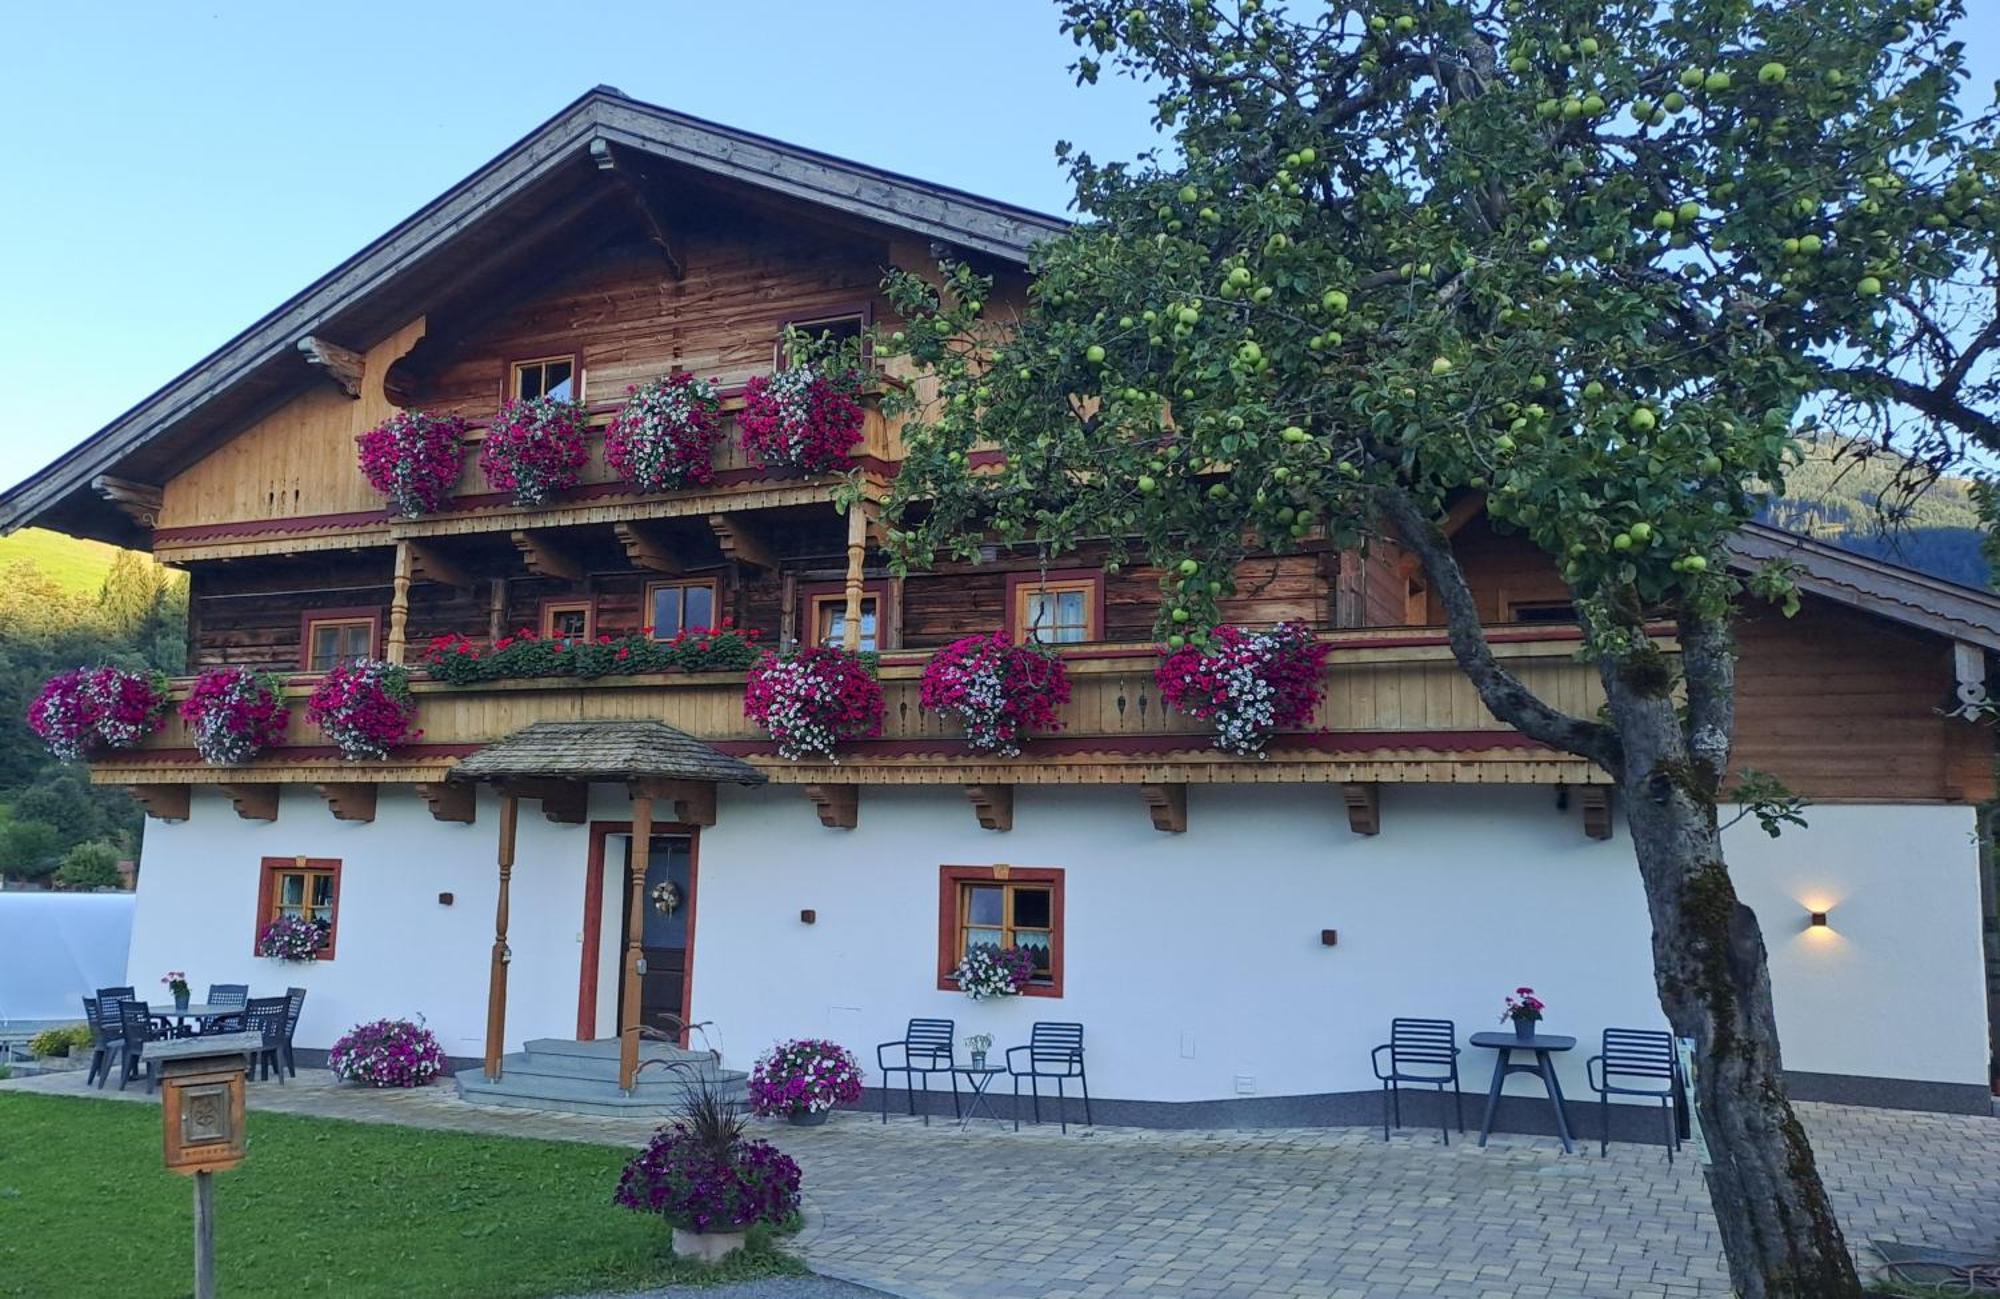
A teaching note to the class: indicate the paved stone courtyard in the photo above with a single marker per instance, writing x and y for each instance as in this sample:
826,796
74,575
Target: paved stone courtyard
984,1213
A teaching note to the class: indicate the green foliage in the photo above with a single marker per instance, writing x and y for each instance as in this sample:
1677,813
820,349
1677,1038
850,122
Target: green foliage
1765,797
1587,257
419,1213
62,1041
89,866
29,850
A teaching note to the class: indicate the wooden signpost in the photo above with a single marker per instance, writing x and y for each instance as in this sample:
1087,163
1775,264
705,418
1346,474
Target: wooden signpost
201,1111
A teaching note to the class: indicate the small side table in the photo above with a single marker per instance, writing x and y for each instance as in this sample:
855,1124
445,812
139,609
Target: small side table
981,1081
1544,1047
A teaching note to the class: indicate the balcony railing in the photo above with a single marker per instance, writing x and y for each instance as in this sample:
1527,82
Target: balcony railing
1392,696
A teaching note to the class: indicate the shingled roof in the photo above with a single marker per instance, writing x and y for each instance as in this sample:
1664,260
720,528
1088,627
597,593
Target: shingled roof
604,751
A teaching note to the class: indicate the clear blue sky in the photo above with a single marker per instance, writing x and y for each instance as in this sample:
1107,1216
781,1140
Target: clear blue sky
174,171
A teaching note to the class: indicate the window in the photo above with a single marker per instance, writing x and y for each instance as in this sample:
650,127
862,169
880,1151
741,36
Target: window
568,620
675,607
829,621
1057,608
304,888
548,376
335,636
1002,906
835,327
1543,611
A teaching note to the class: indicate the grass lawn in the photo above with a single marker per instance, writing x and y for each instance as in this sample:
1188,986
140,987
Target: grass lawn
323,1207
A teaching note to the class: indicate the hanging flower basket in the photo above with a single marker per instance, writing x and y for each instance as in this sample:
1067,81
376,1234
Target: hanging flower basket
665,437
292,938
1250,684
803,418
989,971
234,714
535,449
812,699
87,711
414,458
365,708
998,690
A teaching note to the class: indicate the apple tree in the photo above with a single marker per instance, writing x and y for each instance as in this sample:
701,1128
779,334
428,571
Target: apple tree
1597,260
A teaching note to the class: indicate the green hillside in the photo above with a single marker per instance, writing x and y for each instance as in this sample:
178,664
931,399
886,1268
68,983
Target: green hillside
1837,498
72,564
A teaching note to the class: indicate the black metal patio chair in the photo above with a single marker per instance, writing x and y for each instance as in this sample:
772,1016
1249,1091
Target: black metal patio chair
1642,1055
295,1004
1054,1050
266,1016
136,1026
1422,1052
104,1043
231,995
926,1048
117,994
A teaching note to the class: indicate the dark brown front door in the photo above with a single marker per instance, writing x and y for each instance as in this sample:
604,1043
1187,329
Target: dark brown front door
669,920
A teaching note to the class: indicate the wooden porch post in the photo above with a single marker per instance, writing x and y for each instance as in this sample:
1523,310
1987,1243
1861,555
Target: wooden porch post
635,929
399,606
857,552
496,988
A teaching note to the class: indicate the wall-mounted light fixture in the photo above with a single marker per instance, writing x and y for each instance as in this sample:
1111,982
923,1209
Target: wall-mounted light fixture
1328,937
808,917
1816,919
445,899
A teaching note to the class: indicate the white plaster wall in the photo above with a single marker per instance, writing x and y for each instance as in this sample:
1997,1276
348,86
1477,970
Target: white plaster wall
1195,959
399,952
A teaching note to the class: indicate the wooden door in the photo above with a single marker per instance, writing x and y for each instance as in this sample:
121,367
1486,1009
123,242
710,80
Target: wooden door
666,934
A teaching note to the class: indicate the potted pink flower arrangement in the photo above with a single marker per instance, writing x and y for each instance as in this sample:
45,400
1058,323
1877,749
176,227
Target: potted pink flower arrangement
988,971
1525,1009
665,437
86,711
365,708
998,690
234,714
709,1181
804,1079
292,938
177,988
804,418
1251,684
813,698
388,1053
535,449
414,459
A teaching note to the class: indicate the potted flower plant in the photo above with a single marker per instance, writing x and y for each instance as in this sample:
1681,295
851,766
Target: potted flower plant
292,938
805,417
1250,684
177,985
1525,1009
234,714
998,690
387,1053
86,711
979,1044
804,1079
989,971
709,1181
365,708
535,449
414,459
665,437
813,698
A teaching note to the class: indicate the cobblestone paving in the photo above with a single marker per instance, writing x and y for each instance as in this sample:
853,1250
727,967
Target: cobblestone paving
937,1213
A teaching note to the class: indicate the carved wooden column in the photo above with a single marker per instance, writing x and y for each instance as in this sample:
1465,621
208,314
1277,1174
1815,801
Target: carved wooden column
857,554
496,987
635,930
399,606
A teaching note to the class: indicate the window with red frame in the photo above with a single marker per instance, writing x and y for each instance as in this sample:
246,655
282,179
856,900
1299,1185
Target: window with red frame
1002,906
303,888
675,607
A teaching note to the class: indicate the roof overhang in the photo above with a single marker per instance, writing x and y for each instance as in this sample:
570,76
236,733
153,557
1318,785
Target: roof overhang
1903,595
604,751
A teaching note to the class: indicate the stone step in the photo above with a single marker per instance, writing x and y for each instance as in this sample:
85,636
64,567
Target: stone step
575,1096
653,1075
606,1048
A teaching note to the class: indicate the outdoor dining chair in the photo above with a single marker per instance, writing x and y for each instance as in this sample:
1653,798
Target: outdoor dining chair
1424,1053
1054,1050
295,1002
233,996
104,1043
266,1016
116,994
135,1027
926,1048
1643,1056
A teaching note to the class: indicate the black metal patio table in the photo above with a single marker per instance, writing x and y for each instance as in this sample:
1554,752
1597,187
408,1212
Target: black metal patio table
981,1080
200,1012
1544,1046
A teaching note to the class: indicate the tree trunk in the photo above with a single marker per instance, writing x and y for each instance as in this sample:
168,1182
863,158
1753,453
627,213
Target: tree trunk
1778,1229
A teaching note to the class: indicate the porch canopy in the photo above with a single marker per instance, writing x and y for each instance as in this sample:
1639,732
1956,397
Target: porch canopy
556,763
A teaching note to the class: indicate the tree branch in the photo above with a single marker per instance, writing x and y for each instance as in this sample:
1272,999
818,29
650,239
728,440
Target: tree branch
1708,665
1501,692
1941,405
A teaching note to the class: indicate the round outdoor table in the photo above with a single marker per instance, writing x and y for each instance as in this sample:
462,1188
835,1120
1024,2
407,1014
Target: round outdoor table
981,1080
1544,1046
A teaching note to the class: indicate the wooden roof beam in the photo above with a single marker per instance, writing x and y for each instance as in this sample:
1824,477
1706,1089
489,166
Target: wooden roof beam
139,501
839,806
343,365
1168,806
693,800
565,802
1364,808
450,800
162,802
638,187
429,564
253,802
353,801
546,557
645,548
741,541
993,805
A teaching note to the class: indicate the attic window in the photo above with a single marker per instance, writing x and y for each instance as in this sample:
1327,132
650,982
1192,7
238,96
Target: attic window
547,376
1543,611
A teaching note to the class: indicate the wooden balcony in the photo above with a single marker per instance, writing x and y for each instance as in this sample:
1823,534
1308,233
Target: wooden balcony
1396,709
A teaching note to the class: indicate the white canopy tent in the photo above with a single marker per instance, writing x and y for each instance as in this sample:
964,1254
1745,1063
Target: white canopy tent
58,948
